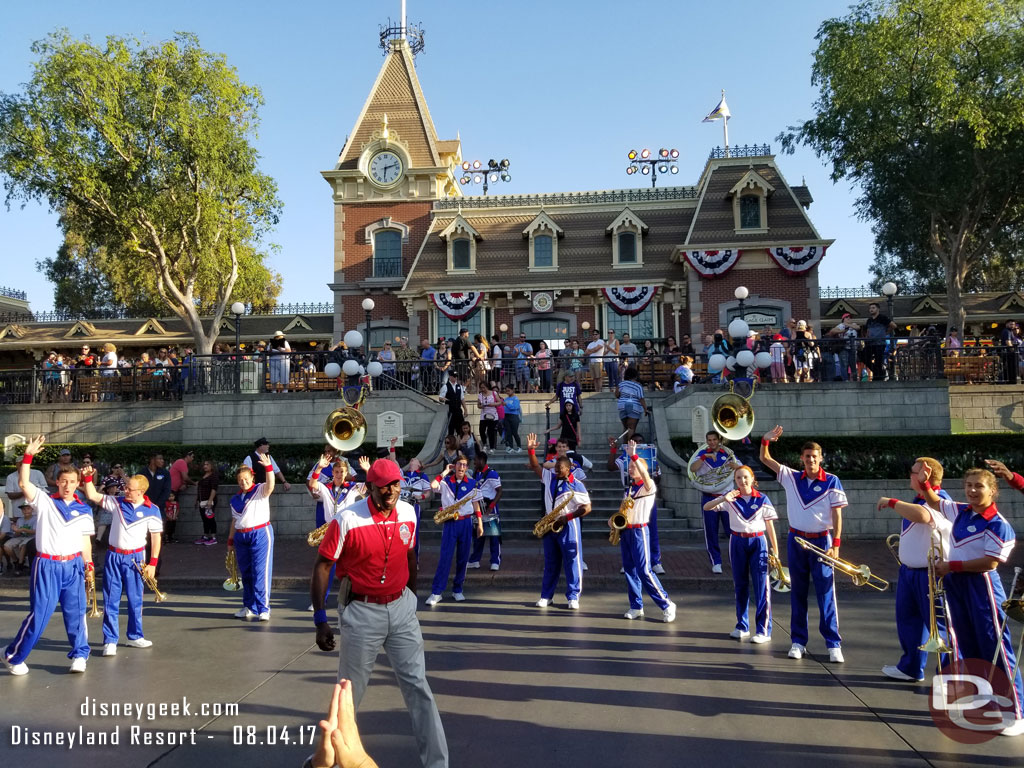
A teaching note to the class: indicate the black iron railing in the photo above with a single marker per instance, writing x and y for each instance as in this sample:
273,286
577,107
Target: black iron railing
569,198
747,150
13,293
387,266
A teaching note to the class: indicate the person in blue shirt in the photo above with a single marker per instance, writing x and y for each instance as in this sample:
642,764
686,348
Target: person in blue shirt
428,373
513,418
631,402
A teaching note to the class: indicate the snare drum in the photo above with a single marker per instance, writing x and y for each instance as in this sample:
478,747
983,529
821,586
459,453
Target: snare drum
649,453
492,525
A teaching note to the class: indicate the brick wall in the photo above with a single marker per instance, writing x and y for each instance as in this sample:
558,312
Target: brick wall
387,307
974,408
766,283
357,252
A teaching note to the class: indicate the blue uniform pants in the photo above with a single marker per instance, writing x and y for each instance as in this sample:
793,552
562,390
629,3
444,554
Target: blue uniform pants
121,575
53,581
254,551
635,546
711,523
456,541
321,518
803,569
913,621
749,557
563,550
975,610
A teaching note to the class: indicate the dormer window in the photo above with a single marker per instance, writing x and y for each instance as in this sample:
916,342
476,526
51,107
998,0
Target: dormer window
462,239
750,212
543,234
750,203
627,233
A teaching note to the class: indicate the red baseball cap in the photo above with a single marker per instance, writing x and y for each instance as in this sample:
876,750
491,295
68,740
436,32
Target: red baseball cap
383,472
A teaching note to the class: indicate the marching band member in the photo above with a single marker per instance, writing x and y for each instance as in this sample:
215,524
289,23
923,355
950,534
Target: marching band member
488,483
250,519
380,611
618,459
329,484
713,457
63,560
134,519
416,490
635,542
750,518
981,539
580,463
565,548
920,531
814,504
456,535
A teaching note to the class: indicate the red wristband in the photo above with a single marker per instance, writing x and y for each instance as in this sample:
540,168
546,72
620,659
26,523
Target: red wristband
439,478
956,566
634,457
531,451
89,566
27,458
928,486
892,503
152,561
765,443
315,476
836,541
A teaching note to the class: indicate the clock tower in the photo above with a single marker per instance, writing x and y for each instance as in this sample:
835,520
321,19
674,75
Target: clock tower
390,171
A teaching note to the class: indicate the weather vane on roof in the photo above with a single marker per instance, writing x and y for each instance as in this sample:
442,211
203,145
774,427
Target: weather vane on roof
413,35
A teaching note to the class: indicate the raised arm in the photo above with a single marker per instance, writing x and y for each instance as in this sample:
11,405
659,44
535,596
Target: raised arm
1001,470
314,480
644,473
766,458
90,489
268,464
531,452
25,468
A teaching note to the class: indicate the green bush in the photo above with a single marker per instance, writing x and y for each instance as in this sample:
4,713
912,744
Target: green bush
295,459
886,457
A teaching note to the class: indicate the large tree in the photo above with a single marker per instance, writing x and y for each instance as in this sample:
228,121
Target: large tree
150,147
921,102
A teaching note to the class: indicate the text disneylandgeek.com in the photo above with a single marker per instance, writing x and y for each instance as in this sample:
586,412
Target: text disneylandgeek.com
134,734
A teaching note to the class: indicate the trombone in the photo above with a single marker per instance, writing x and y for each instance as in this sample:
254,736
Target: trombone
935,642
861,574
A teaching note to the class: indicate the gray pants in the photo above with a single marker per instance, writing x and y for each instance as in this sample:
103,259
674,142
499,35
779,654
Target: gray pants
365,629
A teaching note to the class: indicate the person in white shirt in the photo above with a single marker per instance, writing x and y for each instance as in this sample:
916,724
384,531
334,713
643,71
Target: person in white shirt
254,542
595,351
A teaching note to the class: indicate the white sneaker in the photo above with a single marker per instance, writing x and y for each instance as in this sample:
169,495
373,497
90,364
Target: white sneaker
634,613
245,613
574,605
473,565
543,603
110,649
835,655
759,638
1014,730
433,600
897,674
585,568
519,449
78,664
495,567
659,569
622,570
458,596
669,614
716,568
21,668
310,609
265,616
739,634
797,651
140,643
508,449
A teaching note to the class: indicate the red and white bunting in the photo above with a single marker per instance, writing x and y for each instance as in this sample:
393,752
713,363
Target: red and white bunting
797,259
631,300
456,306
712,263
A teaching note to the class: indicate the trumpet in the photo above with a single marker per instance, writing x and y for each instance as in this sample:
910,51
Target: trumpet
90,595
861,574
620,520
778,574
552,522
451,512
150,581
234,581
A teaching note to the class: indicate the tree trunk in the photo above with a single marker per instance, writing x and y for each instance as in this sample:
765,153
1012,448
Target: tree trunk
954,294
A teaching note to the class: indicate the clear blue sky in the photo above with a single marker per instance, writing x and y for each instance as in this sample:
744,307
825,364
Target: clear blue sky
563,89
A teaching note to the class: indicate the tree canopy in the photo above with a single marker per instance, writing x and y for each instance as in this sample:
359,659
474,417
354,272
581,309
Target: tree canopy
145,150
921,102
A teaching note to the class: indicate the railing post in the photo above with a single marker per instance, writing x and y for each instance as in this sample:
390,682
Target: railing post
547,417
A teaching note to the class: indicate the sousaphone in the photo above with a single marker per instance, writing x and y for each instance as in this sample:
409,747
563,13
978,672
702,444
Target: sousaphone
345,429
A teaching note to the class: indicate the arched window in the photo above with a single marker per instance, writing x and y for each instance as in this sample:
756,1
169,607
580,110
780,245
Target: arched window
387,253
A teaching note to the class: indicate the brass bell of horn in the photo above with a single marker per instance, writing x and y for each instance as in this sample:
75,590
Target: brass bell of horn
345,429
732,416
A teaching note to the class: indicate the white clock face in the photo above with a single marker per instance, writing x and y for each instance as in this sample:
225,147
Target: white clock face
386,168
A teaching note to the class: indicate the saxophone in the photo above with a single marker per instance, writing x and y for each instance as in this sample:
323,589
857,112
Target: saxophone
314,537
150,581
552,522
451,512
620,520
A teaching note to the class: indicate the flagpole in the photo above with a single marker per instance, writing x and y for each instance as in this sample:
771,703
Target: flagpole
725,127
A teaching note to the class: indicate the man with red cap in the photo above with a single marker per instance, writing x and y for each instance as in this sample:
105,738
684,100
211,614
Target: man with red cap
374,543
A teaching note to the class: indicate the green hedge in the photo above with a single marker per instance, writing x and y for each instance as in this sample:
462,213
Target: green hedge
885,457
295,459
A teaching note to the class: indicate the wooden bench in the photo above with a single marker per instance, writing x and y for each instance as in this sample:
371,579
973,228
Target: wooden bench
970,370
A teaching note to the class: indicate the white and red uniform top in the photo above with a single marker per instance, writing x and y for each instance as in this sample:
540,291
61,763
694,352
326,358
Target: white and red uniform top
452,490
336,497
371,549
60,525
251,509
487,482
750,514
810,500
643,504
976,534
555,490
916,539
131,523
415,487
